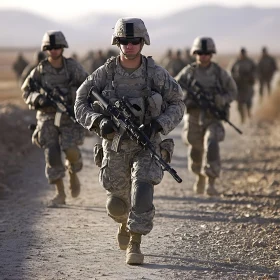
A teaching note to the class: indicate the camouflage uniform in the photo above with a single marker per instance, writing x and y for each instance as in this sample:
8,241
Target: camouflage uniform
202,131
266,68
68,135
244,73
38,57
129,175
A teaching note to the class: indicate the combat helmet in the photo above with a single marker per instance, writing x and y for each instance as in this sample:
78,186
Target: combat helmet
130,28
203,44
53,38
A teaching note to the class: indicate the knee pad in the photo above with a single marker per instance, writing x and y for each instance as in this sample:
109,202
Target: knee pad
73,154
53,156
142,196
116,207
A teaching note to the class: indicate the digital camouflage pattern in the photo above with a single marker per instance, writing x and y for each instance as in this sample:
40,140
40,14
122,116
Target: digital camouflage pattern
120,171
202,131
68,135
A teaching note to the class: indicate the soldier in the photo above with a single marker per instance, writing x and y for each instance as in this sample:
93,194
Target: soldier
130,174
98,60
176,64
19,65
188,59
38,57
266,68
55,132
244,73
202,130
166,59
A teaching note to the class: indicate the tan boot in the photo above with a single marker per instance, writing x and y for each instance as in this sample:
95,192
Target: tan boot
59,199
75,185
123,236
210,187
199,185
133,253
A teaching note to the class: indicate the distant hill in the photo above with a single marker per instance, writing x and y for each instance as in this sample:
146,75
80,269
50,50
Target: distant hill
231,29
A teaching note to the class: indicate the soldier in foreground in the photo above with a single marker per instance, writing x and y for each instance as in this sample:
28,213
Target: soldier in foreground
129,173
266,68
51,90
202,130
244,73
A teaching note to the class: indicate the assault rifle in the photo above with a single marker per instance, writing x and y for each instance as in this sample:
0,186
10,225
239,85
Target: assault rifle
206,102
55,99
126,122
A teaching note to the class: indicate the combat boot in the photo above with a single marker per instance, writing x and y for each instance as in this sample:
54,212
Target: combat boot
199,185
59,199
210,187
133,253
123,236
75,185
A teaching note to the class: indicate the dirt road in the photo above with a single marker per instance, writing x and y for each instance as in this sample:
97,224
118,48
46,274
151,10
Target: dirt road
233,236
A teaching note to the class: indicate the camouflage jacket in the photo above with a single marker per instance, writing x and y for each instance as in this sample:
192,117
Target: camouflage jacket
68,79
132,85
213,79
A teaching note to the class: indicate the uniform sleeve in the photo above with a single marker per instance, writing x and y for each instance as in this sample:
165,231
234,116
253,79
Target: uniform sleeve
86,114
80,74
172,98
229,86
29,94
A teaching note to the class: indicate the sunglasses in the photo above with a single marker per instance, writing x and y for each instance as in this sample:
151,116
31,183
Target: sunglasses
126,41
203,53
49,48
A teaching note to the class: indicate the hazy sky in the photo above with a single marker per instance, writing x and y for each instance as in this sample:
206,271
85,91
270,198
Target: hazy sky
59,9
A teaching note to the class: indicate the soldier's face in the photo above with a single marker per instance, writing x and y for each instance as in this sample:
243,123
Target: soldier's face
55,53
203,58
130,47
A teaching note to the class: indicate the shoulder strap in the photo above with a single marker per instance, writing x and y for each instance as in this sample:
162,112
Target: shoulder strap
151,66
110,66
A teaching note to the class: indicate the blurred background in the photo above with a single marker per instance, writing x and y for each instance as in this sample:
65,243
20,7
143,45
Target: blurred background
172,26
88,27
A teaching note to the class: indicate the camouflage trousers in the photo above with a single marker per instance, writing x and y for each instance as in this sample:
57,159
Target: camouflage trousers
55,140
120,174
204,151
265,82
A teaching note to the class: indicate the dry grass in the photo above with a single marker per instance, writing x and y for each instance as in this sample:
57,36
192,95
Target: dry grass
270,109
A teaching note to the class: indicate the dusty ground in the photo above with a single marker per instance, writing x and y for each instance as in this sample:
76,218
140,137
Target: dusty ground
233,236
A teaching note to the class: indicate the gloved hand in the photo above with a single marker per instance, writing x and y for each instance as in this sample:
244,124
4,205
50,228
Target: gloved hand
220,101
152,128
106,127
43,101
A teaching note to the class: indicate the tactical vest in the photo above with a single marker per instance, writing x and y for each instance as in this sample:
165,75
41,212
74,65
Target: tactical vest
145,103
217,85
58,78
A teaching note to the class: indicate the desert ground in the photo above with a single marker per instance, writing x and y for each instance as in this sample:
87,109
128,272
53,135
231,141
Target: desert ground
232,236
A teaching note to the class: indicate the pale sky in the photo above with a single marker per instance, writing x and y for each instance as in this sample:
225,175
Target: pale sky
65,10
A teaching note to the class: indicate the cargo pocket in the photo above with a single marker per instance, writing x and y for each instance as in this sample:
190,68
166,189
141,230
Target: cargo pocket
104,177
98,154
